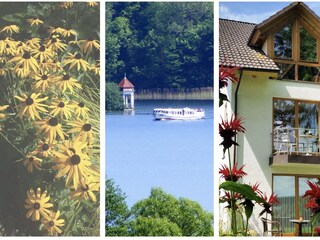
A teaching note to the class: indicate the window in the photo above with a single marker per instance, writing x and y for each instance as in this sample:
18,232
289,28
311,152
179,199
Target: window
308,46
290,190
283,43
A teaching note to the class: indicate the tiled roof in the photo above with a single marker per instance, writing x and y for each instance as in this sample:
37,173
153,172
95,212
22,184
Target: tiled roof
234,49
125,83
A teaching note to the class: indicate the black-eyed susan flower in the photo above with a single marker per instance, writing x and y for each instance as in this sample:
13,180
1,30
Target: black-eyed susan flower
3,68
55,30
61,107
75,60
2,108
34,21
80,109
92,4
74,165
44,149
10,29
44,81
31,162
88,45
50,65
33,43
83,130
85,190
26,61
20,72
68,32
5,44
20,48
43,53
56,44
51,129
52,223
66,82
37,204
31,106
65,5
73,145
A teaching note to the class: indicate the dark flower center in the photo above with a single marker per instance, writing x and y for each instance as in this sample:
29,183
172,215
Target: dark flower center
78,56
7,45
66,77
29,101
75,159
86,127
54,40
72,150
53,122
45,147
26,55
31,159
42,48
44,77
61,105
51,223
84,189
36,206
81,104
20,44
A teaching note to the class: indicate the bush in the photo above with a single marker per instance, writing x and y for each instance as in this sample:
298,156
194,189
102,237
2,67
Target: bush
114,100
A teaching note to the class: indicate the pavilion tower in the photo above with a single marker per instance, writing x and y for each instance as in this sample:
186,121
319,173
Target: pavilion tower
127,89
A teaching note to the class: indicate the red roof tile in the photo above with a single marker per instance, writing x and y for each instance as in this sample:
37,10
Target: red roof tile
125,83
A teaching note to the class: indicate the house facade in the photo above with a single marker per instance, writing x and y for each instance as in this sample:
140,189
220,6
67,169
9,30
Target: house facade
278,94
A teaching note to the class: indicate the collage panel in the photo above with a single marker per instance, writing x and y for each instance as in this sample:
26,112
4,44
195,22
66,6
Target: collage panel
159,119
50,118
269,65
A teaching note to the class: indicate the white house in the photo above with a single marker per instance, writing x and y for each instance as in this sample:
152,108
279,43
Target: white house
278,94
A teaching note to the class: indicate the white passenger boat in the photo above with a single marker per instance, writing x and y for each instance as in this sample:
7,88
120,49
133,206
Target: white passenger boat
178,113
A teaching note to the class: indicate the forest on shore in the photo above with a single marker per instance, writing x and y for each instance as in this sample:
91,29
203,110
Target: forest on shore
159,44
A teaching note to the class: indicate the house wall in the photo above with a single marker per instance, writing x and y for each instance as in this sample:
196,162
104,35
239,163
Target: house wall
255,104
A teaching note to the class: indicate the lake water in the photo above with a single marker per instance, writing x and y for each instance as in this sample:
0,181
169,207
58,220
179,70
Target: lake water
175,155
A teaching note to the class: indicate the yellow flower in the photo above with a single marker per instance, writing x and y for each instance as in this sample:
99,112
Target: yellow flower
68,32
84,130
37,204
80,109
34,21
92,4
65,5
96,68
50,65
55,30
66,82
56,44
20,71
10,29
43,80
85,191
5,44
88,45
26,61
75,60
73,145
31,105
32,161
33,43
52,223
3,68
45,149
74,165
62,108
21,48
42,53
4,107
51,128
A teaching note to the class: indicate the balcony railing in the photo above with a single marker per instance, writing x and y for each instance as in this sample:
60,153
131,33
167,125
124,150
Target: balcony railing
295,141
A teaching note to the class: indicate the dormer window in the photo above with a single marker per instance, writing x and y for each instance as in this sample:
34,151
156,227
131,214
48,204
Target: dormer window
283,43
308,46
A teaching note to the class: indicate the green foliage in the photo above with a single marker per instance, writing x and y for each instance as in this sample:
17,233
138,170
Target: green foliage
188,215
160,45
117,212
114,101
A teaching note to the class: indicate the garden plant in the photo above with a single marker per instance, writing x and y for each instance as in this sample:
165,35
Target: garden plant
49,129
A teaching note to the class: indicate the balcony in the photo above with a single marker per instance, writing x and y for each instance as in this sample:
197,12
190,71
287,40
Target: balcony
295,145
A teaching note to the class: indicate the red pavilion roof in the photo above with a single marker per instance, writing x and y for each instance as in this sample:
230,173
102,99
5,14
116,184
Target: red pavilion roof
125,83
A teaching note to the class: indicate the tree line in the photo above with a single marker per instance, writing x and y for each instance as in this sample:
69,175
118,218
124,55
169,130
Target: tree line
160,44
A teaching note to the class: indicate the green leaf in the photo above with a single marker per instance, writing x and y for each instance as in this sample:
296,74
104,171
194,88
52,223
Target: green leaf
244,189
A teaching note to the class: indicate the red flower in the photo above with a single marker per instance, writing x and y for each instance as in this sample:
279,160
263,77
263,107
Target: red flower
269,203
256,189
235,173
229,198
311,204
228,130
225,74
314,192
317,231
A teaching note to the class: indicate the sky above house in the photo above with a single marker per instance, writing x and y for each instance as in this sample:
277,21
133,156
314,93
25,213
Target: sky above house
256,12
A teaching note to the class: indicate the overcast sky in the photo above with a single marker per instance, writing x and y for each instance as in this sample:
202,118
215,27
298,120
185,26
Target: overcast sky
256,12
